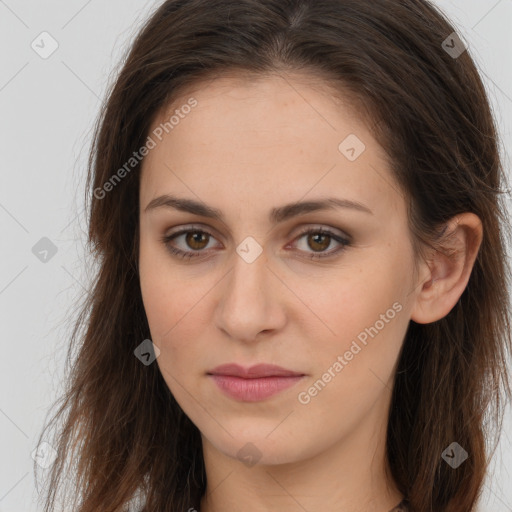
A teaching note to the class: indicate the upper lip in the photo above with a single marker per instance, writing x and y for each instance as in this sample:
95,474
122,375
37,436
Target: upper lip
259,370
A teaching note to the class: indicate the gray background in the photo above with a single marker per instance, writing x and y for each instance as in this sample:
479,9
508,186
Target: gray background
48,109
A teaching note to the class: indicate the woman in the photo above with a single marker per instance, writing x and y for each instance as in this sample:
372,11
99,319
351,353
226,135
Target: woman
301,301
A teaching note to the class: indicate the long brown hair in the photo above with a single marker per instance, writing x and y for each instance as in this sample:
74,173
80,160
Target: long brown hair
121,432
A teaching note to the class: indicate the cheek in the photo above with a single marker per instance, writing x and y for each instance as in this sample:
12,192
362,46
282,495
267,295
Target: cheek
353,367
169,318
174,304
364,314
164,295
349,302
160,295
171,310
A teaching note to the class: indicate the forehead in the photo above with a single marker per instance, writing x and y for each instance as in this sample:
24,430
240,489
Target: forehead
277,94
281,130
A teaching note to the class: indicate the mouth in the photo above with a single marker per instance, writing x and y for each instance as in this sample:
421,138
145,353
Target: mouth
255,383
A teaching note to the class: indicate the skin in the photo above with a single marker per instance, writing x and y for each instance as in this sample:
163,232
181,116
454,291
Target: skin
247,147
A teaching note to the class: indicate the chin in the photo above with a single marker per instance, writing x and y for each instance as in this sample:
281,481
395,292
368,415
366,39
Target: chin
252,448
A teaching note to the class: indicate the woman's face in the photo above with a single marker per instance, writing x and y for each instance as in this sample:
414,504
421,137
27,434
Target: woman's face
258,288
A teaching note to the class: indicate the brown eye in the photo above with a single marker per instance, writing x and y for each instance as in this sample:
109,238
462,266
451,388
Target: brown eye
318,241
187,243
196,240
194,243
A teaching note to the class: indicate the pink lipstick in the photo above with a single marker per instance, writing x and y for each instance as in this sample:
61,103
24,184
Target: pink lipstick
255,383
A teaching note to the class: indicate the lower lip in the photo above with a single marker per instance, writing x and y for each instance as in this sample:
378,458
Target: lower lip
253,390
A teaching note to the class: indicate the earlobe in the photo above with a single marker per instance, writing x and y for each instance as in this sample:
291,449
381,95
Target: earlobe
448,270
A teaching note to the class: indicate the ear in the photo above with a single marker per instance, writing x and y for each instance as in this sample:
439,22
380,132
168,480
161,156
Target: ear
446,276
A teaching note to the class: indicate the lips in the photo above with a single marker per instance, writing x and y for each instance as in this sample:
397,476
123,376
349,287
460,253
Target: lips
254,372
255,383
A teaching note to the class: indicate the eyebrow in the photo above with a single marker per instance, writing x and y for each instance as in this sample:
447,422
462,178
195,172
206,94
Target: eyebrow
276,215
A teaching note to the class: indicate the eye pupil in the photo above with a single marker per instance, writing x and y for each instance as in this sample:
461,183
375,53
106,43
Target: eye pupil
318,241
192,239
320,235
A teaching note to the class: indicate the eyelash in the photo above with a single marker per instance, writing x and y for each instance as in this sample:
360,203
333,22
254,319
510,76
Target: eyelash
314,256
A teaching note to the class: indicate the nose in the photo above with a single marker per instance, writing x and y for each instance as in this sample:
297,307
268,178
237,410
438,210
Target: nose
251,300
